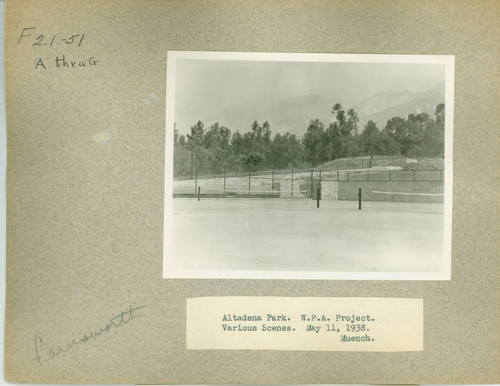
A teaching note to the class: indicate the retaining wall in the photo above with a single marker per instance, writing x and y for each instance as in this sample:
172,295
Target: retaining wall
329,190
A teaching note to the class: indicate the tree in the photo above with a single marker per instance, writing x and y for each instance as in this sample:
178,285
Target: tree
388,146
339,114
210,150
176,136
370,139
266,140
440,110
332,142
295,152
224,137
418,135
266,129
253,159
197,133
313,142
217,137
416,128
352,123
237,143
434,134
397,129
348,128
286,150
211,137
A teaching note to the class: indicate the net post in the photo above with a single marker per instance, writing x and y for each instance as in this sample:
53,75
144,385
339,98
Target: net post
199,191
317,197
359,199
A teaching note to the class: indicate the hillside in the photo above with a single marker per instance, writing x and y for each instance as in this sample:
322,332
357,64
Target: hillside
385,161
385,105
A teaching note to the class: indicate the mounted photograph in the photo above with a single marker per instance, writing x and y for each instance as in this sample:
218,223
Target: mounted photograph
308,166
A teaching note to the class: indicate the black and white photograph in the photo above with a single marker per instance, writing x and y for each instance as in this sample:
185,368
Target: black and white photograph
308,166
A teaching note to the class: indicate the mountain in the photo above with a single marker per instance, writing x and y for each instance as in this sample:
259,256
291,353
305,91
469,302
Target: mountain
294,114
291,115
399,103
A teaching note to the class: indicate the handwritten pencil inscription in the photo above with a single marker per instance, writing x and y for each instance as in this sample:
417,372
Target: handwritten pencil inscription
35,39
63,62
30,36
45,351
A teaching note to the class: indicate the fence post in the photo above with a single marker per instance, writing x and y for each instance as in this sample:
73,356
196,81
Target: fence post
199,190
359,200
292,182
224,181
337,175
249,178
317,197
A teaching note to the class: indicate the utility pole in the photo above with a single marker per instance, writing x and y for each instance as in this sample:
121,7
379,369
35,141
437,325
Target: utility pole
192,159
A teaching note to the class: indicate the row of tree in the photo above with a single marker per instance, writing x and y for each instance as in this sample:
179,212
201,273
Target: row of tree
214,148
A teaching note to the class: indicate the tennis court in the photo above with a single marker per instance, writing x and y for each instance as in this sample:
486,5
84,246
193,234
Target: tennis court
295,235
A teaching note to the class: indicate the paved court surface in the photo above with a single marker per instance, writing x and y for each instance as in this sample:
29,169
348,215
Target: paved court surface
294,235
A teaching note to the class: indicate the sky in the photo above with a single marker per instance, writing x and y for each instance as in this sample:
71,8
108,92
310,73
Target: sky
235,92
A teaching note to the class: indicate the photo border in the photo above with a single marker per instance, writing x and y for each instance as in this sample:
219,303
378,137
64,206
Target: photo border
447,60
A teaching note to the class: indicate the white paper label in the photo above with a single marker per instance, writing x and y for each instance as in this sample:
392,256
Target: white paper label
305,324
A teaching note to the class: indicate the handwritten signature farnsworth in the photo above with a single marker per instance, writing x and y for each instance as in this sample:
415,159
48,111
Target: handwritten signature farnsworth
44,352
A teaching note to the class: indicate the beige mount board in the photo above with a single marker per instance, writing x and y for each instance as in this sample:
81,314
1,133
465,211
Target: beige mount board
86,96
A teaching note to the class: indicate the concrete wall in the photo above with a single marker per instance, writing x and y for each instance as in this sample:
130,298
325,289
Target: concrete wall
349,191
329,190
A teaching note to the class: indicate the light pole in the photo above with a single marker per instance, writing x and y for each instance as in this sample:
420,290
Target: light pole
192,159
